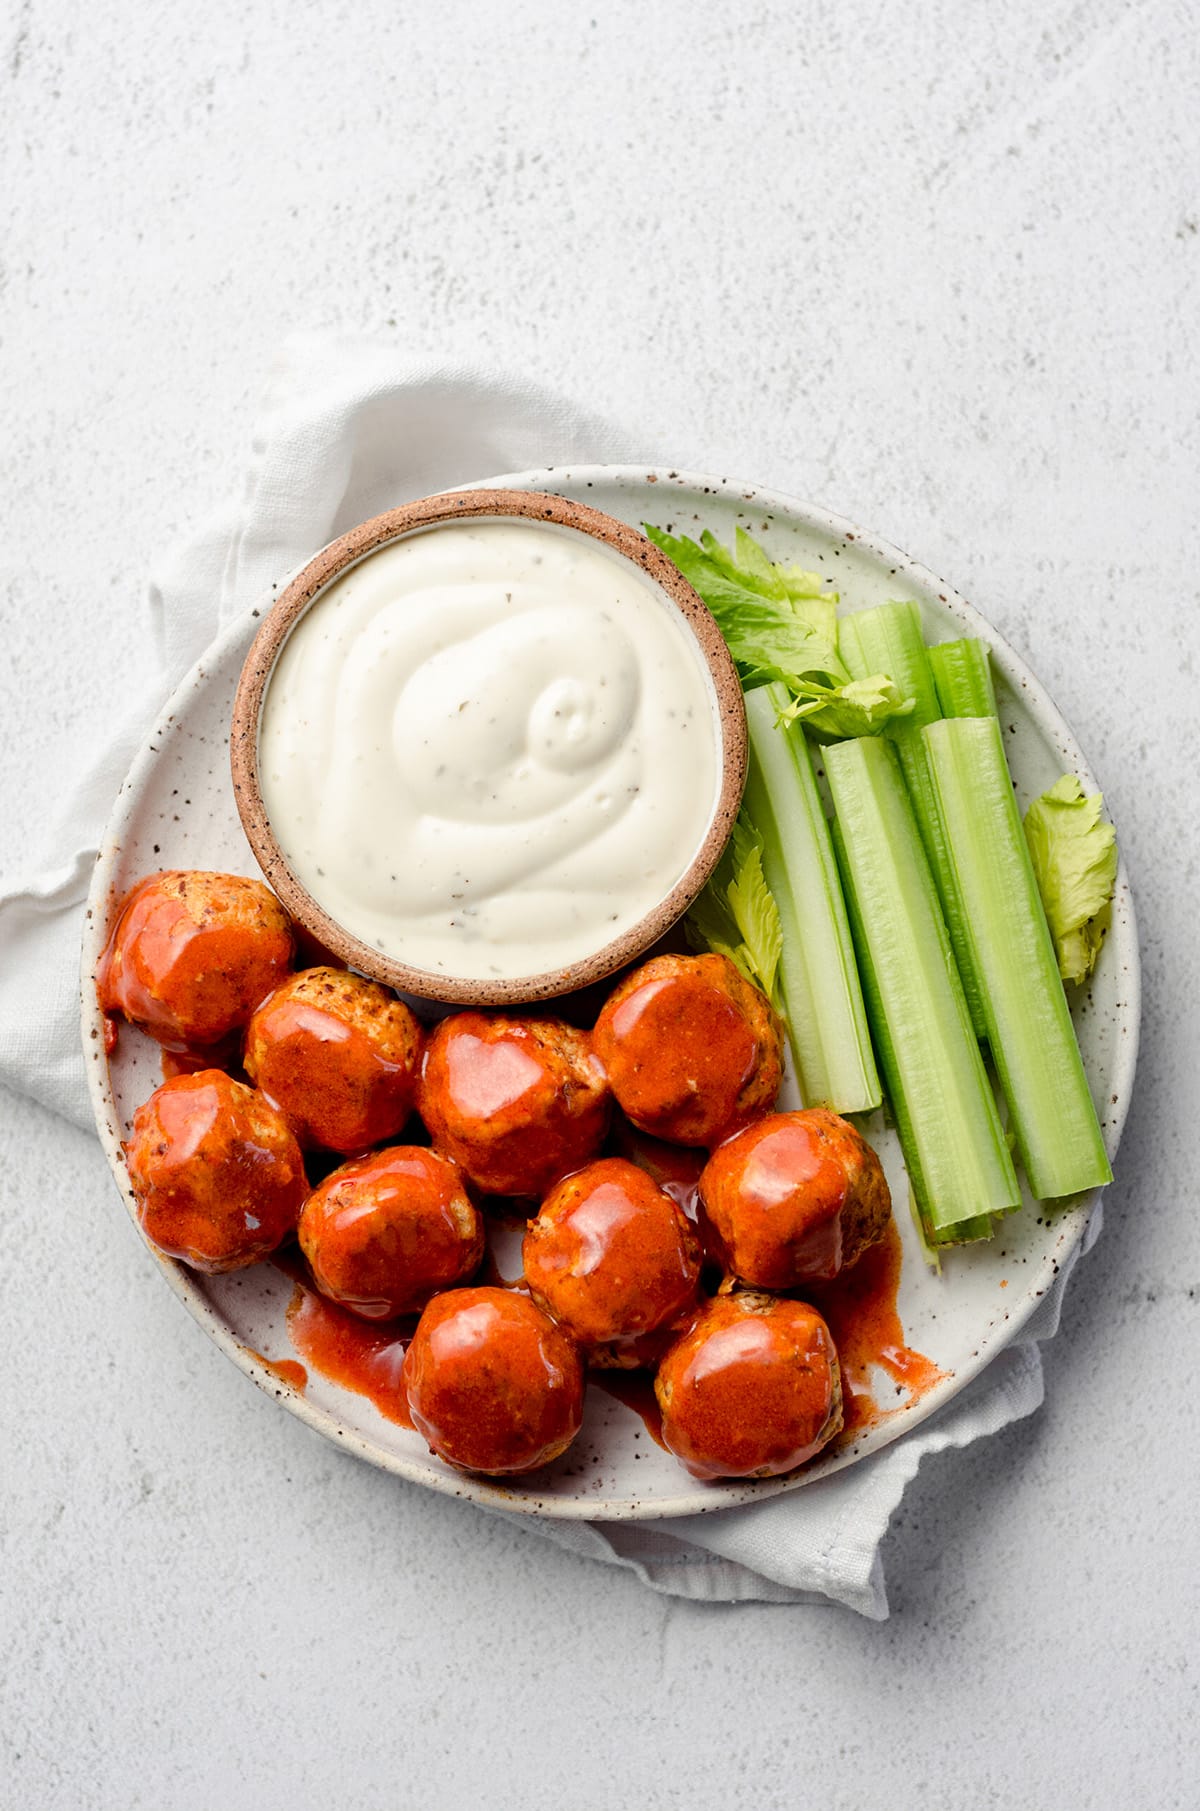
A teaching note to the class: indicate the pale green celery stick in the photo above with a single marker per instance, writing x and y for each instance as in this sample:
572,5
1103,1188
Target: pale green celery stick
931,1251
888,640
1029,1025
970,1230
969,1233
918,1199
818,982
931,1241
962,673
941,1100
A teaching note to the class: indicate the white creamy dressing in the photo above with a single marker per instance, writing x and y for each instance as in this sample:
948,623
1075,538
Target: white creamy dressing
490,748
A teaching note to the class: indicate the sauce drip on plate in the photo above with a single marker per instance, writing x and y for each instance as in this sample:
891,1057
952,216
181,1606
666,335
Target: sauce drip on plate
863,1316
286,1369
347,1351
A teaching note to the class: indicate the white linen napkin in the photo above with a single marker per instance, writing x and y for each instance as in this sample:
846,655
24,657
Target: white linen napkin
350,428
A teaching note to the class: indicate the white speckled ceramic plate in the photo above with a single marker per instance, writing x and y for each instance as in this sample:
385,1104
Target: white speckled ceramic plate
176,810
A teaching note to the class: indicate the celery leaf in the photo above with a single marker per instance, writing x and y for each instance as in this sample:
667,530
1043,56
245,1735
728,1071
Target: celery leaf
736,914
1074,855
860,708
778,625
748,565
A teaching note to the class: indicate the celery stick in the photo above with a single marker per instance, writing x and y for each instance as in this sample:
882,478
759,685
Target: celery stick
962,674
931,1240
888,640
943,1105
1029,1025
818,980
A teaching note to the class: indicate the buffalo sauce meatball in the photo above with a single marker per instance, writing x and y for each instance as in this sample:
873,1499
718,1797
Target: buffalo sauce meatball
218,1175
192,954
794,1199
751,1390
493,1385
338,1055
385,1233
611,1257
691,1049
517,1103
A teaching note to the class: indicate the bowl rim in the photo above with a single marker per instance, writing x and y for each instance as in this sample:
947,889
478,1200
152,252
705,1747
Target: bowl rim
304,590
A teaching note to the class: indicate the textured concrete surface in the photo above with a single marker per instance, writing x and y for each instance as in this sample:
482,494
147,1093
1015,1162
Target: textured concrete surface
937,267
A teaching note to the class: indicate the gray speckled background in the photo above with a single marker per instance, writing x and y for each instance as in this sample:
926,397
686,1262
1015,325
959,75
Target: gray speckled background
937,267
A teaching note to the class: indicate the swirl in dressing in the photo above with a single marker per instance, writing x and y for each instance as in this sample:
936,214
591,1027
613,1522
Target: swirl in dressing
489,748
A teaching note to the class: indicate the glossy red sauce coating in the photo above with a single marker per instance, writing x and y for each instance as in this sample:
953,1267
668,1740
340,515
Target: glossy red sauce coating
690,1048
862,1311
387,1231
517,1103
191,955
350,1352
338,1055
218,1176
751,1390
611,1256
793,1198
493,1384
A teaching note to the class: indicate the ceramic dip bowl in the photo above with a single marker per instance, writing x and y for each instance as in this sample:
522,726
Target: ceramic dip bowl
488,747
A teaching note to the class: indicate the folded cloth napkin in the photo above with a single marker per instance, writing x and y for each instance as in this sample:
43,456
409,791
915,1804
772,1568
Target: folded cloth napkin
350,428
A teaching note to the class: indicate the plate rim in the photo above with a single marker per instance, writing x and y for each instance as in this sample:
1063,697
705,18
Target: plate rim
700,1499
